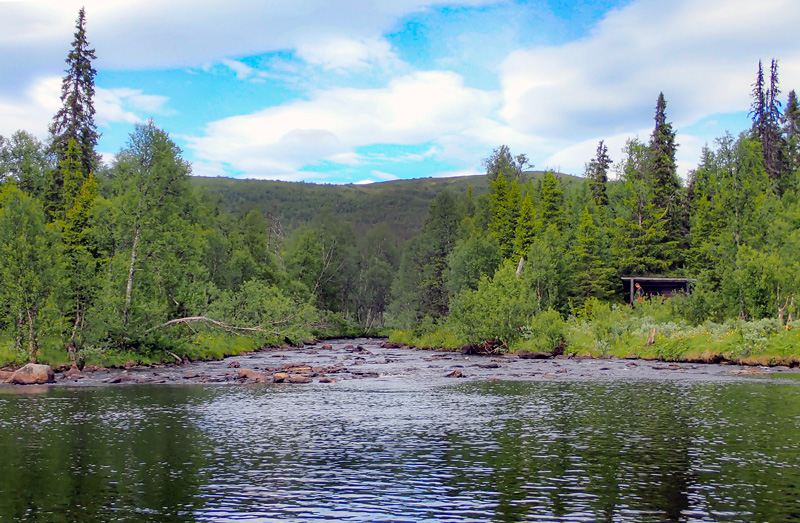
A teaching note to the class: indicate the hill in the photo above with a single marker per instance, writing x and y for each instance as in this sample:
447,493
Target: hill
401,204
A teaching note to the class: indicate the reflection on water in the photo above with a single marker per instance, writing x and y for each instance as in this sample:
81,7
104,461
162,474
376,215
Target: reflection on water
378,451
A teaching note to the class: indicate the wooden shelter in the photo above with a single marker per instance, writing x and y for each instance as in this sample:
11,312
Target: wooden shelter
650,286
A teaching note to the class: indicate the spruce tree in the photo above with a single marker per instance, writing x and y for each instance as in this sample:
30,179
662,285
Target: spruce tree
597,172
662,159
552,197
667,194
526,226
594,277
75,119
504,209
766,114
791,131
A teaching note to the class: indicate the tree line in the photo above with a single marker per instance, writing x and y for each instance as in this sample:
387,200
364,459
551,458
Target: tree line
483,270
130,261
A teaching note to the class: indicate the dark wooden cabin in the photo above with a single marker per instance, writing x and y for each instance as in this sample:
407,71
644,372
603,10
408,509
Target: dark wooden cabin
651,286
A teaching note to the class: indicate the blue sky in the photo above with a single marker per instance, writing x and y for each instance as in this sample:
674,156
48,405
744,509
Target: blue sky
354,92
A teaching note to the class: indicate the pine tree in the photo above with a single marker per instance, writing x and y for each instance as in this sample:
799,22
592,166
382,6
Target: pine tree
75,119
597,172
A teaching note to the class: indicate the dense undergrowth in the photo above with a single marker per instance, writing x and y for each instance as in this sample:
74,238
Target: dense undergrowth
604,330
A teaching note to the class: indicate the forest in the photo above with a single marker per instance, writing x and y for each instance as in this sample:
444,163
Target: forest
136,260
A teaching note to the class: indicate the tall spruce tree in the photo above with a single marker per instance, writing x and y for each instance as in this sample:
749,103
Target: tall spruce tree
662,159
597,172
75,119
766,114
666,186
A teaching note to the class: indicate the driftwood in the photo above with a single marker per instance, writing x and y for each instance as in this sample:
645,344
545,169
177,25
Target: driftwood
204,319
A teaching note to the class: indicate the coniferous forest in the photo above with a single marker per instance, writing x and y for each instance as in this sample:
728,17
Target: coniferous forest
137,261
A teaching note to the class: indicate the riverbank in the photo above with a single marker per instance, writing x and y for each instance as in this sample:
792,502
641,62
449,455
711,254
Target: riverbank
338,361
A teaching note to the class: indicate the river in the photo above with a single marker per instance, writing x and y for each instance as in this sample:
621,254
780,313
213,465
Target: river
399,449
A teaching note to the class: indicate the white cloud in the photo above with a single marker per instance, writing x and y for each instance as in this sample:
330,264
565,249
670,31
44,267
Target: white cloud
701,53
188,33
32,112
342,53
417,108
35,110
384,176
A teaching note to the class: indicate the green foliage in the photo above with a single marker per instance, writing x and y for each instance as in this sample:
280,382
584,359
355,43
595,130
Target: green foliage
547,272
419,289
25,161
597,173
502,163
258,304
505,212
496,311
30,268
545,331
552,201
473,259
594,277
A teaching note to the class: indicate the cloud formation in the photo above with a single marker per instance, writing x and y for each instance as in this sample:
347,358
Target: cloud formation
352,89
418,108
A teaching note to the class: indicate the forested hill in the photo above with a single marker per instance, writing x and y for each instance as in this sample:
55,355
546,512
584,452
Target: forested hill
401,204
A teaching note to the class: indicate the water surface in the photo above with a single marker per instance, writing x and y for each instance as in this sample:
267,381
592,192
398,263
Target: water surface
394,450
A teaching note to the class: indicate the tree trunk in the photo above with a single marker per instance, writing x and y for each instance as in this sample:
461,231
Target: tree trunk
129,289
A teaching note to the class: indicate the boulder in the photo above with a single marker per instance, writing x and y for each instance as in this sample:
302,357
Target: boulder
251,375
300,379
234,365
326,379
455,374
280,377
33,373
5,376
327,346
73,374
121,378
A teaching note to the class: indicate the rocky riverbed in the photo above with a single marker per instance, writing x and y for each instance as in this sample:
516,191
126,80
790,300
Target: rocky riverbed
340,360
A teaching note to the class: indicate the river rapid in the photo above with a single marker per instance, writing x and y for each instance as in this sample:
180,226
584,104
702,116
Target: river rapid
394,439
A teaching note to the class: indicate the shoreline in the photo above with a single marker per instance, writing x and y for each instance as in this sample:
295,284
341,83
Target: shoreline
341,360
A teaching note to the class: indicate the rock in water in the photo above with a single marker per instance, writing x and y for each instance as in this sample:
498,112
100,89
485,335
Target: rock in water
33,373
280,377
455,374
251,375
299,379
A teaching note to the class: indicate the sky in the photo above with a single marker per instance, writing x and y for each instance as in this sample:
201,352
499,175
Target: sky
358,91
